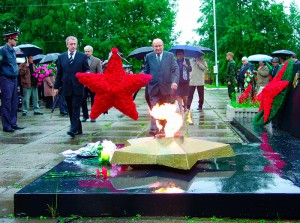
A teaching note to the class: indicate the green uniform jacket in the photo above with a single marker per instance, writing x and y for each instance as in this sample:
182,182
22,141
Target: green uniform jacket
231,72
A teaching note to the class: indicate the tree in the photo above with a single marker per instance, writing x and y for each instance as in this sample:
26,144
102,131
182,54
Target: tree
245,27
102,24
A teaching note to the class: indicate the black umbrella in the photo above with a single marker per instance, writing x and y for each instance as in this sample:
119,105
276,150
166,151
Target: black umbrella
141,52
284,53
30,49
50,57
205,49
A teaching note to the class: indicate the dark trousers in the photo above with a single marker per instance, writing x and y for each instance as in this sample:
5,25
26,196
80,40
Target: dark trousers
84,106
200,90
73,104
231,92
157,99
9,101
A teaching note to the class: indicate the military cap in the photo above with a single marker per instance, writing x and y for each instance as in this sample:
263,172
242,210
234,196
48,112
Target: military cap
12,35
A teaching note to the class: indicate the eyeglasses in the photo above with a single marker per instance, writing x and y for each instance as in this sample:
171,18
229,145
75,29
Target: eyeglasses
15,39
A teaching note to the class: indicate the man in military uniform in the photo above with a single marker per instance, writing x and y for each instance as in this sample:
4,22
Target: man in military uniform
230,75
8,83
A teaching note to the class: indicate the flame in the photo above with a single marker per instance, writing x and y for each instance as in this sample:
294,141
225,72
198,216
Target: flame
167,112
170,188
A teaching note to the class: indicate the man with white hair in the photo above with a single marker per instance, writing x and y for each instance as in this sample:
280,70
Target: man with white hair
95,67
241,76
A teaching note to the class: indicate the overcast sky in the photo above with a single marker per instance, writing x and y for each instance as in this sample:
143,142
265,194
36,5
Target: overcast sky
188,13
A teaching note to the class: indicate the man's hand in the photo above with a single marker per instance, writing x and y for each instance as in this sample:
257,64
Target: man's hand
55,91
229,83
174,86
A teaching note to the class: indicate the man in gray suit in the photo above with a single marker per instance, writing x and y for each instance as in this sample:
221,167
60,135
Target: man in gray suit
163,67
95,67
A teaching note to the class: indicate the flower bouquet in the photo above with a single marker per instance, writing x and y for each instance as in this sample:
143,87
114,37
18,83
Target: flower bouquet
42,72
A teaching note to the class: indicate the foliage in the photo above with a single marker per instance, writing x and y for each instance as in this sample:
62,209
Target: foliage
102,24
248,27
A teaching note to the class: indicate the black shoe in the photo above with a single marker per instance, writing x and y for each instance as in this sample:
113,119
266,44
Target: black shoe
72,134
78,133
38,113
24,114
199,108
84,119
17,127
93,120
8,130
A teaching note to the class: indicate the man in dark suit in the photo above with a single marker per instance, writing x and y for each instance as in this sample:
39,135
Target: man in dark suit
95,67
68,64
163,67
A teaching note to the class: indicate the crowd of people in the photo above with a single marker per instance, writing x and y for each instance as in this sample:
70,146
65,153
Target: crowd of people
174,77
235,76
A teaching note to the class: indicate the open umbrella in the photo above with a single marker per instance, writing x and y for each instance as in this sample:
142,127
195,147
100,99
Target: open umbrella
189,51
141,52
259,57
205,49
50,57
171,152
30,49
279,53
37,58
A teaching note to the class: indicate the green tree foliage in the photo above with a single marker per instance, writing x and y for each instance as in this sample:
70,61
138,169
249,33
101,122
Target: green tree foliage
248,27
103,24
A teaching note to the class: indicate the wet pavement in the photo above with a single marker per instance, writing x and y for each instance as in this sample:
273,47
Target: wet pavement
27,154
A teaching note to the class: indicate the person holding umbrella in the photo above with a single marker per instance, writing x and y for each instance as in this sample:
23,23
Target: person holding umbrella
9,83
182,91
163,67
68,64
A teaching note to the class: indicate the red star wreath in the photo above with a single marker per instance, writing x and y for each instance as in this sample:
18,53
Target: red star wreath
270,93
114,88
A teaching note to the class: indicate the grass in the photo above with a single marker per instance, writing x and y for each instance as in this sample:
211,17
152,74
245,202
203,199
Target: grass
214,86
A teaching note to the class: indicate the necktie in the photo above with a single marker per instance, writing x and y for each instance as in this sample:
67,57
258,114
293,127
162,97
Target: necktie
158,58
71,59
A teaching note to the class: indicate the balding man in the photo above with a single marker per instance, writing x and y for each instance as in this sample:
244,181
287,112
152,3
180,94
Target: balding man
164,69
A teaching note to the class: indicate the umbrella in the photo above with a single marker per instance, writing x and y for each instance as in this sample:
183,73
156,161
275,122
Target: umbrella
37,58
205,49
141,52
50,57
284,53
181,153
20,60
30,49
189,51
259,57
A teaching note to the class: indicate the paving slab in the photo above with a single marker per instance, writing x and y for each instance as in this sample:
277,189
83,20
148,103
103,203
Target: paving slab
37,148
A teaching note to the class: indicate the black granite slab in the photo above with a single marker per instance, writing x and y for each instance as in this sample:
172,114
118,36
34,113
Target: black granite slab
261,181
